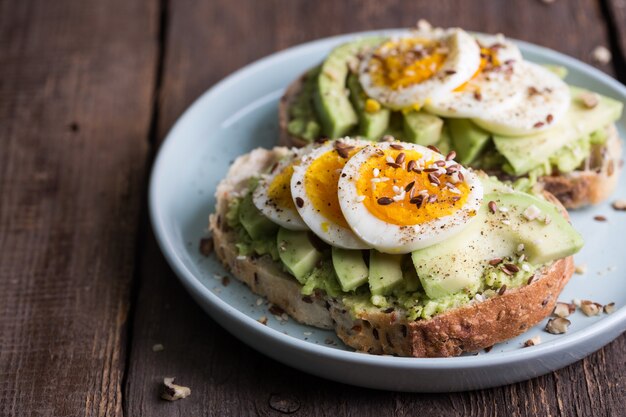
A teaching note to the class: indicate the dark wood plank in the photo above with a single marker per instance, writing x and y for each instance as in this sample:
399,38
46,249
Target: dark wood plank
76,80
615,10
206,41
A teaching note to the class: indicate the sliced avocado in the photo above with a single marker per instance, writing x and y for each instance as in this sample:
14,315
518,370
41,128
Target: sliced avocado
297,253
559,70
350,268
457,264
371,125
543,242
445,141
385,272
526,152
468,140
253,221
331,102
303,120
422,128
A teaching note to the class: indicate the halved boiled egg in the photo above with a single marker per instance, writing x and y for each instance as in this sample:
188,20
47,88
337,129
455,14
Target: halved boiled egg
272,195
407,71
314,190
545,101
494,87
402,197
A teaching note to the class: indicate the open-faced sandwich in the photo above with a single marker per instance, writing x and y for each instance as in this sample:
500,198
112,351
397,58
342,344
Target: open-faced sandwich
395,246
474,93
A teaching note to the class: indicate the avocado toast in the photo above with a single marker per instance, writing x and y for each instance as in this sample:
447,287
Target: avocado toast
450,261
512,118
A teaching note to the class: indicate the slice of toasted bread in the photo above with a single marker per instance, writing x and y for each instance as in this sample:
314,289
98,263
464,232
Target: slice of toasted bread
590,185
465,329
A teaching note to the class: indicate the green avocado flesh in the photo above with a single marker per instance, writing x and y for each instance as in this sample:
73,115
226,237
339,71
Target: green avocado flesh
372,126
428,281
527,152
468,140
422,128
333,106
303,120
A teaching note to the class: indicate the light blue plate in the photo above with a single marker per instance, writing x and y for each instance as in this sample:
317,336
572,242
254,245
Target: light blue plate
239,114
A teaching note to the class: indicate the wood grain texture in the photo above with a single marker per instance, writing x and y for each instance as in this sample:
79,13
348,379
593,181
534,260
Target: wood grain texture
75,102
615,11
205,41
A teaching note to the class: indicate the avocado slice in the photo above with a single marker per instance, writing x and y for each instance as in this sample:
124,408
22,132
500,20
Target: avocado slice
527,152
468,140
297,252
371,125
559,70
350,268
303,120
458,263
253,221
331,102
543,241
422,128
385,272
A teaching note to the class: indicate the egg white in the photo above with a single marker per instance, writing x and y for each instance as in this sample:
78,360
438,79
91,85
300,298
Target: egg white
461,63
286,217
546,99
395,239
490,92
326,229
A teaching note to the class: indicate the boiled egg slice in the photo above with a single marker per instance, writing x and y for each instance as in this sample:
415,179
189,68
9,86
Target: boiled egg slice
272,195
406,72
314,190
545,101
399,197
492,89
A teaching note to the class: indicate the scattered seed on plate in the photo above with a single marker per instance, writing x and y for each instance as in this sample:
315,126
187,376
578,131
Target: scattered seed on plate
619,205
581,269
533,341
602,55
590,308
600,218
609,308
563,309
558,325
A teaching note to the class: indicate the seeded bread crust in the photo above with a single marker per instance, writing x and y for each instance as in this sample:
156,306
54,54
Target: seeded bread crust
577,189
466,329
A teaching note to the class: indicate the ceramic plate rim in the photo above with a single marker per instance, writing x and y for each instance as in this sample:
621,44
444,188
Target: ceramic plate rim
192,283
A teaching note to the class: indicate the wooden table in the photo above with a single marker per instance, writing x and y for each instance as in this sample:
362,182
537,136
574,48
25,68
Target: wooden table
88,90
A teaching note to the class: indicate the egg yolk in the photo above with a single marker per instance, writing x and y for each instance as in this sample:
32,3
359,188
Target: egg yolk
320,183
402,212
279,190
488,60
401,63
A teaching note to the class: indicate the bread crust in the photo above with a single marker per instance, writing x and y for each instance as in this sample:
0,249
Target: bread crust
577,189
465,329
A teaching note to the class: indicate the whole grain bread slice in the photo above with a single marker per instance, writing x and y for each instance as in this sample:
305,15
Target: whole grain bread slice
591,184
465,329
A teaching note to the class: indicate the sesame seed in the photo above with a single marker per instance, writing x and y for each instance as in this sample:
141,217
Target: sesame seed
385,201
506,222
360,198
503,209
396,189
520,247
376,172
525,267
390,160
531,213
